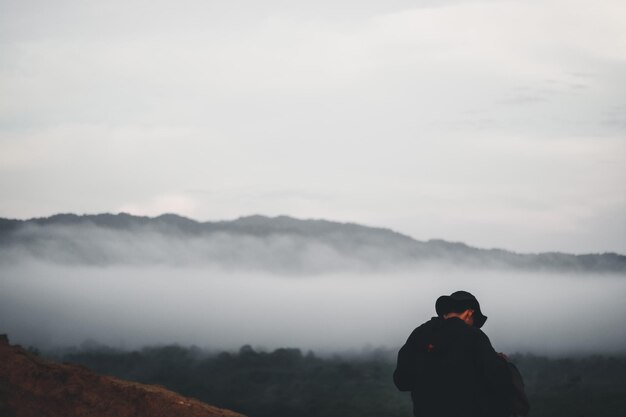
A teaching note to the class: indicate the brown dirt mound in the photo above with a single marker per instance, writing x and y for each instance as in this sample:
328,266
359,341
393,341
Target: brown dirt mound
34,387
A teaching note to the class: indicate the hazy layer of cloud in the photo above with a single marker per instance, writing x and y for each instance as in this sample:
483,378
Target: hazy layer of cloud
280,245
52,305
495,123
277,253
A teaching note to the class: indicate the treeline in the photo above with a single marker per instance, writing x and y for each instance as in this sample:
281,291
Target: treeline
288,383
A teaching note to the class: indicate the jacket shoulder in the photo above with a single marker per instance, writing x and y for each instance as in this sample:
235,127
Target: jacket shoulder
425,328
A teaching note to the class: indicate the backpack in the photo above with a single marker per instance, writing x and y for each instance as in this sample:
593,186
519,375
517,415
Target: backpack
519,402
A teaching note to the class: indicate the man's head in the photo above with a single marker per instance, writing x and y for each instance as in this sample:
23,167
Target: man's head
467,315
463,305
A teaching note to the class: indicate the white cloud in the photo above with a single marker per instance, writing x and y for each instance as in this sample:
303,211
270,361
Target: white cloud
169,203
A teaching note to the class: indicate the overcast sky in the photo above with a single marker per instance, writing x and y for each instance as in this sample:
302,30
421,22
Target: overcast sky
497,123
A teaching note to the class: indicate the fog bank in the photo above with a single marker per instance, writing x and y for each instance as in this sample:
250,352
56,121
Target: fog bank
276,245
47,305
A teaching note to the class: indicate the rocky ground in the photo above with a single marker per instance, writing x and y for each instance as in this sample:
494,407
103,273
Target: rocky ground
34,387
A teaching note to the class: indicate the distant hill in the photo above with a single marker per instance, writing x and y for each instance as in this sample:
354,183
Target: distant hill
276,244
33,387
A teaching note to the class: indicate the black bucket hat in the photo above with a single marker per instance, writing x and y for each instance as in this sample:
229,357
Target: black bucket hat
447,303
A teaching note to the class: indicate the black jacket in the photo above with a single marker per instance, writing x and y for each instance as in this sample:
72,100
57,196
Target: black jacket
452,370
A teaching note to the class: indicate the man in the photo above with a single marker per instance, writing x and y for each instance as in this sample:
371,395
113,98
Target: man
451,368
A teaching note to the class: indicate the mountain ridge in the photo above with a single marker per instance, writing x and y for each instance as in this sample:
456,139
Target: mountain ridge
342,242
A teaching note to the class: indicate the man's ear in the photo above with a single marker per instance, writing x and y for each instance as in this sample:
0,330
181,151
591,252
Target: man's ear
469,313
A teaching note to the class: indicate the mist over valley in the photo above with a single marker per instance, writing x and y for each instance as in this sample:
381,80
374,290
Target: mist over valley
283,282
258,243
